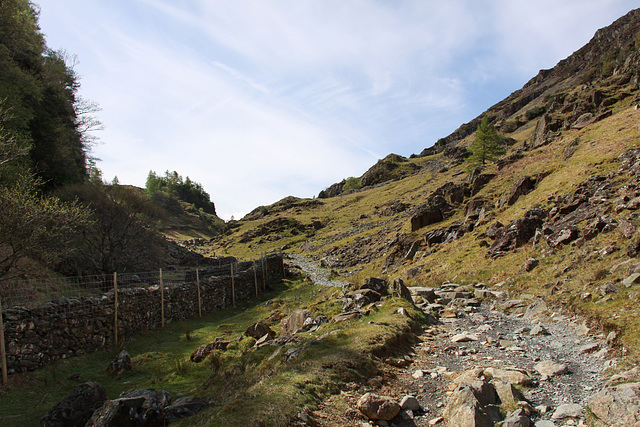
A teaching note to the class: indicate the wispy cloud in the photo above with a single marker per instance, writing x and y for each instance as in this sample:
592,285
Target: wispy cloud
259,100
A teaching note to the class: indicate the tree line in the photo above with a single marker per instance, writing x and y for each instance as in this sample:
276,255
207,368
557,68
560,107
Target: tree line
56,213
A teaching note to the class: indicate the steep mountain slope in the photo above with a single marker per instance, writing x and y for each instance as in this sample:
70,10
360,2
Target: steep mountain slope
556,216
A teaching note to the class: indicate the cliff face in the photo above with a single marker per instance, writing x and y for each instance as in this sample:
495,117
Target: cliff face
613,51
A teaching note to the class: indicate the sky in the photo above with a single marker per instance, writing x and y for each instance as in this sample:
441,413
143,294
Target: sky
258,100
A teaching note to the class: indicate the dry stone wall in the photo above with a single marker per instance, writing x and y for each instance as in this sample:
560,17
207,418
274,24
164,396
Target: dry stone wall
38,336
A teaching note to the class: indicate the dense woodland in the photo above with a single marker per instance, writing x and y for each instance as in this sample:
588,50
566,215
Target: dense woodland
56,213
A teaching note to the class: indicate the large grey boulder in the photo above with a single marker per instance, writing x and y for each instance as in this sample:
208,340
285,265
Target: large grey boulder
617,405
472,406
377,407
77,408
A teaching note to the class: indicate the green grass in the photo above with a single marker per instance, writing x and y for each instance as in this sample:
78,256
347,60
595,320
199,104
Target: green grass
248,386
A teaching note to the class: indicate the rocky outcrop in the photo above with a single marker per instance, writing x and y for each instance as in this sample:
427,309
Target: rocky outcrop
76,409
145,407
425,215
517,233
617,405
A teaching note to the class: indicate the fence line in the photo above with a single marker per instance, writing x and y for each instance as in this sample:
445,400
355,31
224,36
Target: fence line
52,319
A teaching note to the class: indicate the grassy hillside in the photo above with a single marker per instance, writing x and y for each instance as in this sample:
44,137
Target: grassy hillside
369,231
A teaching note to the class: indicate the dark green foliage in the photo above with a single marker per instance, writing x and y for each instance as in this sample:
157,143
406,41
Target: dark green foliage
186,190
118,236
488,145
534,112
35,228
351,183
38,87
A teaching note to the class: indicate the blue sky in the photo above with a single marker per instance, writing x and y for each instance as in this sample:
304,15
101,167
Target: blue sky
258,100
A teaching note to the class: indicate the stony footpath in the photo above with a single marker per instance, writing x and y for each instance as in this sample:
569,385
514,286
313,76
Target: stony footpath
489,360
317,274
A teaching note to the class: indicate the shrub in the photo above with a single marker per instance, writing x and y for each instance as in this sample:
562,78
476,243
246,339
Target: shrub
534,112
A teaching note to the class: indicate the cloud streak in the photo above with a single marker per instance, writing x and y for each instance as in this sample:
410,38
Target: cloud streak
260,100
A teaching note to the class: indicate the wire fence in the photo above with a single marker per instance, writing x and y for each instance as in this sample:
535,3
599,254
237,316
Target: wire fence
44,320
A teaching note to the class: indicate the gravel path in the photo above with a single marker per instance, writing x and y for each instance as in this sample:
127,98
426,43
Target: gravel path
318,275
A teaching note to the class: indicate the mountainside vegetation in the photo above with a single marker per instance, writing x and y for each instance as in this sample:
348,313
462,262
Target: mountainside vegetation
570,136
547,209
56,213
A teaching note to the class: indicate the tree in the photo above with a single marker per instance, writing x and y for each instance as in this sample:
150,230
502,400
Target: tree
34,228
488,145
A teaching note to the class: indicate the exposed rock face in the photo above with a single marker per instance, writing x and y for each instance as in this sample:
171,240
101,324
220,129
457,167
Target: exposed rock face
145,408
76,409
518,232
203,351
473,405
294,322
258,330
426,215
617,405
399,289
522,186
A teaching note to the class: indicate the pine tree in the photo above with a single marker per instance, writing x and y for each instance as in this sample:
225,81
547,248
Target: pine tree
488,145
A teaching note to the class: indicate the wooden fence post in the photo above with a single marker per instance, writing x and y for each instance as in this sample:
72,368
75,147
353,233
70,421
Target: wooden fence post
199,299
264,274
255,277
115,309
233,288
3,352
161,300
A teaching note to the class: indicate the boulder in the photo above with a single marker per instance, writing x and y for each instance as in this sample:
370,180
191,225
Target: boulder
426,215
184,407
376,284
568,410
399,289
517,418
121,363
360,298
472,405
530,264
410,403
511,376
524,185
563,237
631,280
377,407
77,408
140,407
549,368
203,351
617,405
508,394
258,330
291,324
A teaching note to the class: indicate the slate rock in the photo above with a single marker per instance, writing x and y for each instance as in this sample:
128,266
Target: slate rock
184,407
77,408
549,368
399,289
121,363
517,418
617,405
258,330
568,410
